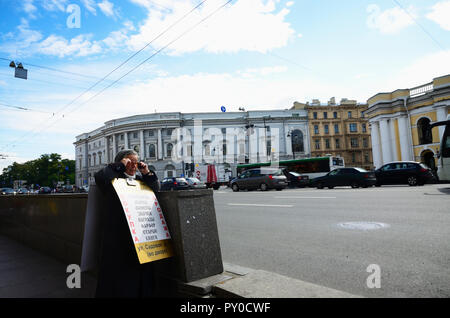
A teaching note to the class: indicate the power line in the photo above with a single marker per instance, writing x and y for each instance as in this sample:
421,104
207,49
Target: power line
102,79
418,24
23,108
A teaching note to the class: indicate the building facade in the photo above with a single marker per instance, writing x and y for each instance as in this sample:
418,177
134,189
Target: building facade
171,143
400,122
340,130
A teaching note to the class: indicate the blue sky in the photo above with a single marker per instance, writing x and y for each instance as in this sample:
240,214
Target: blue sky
257,54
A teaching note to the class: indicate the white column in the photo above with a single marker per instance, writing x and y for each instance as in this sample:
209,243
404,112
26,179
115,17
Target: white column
142,146
125,136
441,115
405,144
107,159
385,141
376,146
160,145
114,147
392,139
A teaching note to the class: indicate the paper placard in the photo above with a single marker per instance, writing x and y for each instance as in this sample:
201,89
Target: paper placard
148,227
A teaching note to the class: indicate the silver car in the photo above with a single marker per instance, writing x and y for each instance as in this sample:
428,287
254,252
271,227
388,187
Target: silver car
195,183
260,178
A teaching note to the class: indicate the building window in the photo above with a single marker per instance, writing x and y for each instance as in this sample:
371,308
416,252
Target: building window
424,131
135,135
349,114
366,158
365,143
121,137
326,129
315,115
336,128
353,157
354,142
151,133
317,143
335,115
327,143
169,148
297,141
364,128
152,151
325,115
316,129
338,143
353,127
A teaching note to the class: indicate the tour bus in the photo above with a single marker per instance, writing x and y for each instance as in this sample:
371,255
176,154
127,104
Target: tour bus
312,167
443,170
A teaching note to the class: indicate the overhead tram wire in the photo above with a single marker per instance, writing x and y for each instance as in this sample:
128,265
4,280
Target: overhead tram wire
21,108
102,79
420,26
140,64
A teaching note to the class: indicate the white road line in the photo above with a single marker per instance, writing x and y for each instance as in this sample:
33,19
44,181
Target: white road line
261,205
305,197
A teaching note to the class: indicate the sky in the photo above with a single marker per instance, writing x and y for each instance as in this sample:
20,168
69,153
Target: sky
90,61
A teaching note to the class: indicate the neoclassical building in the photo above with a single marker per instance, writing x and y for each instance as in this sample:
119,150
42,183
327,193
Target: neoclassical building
172,143
400,122
340,129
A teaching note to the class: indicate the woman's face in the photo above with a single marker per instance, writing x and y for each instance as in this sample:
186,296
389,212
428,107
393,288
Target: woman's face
131,167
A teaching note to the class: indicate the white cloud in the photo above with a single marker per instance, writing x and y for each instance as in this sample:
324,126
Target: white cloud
54,5
420,71
29,8
249,25
90,6
107,8
441,14
390,21
59,46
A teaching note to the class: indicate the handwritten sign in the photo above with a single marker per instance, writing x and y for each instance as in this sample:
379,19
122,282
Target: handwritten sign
145,219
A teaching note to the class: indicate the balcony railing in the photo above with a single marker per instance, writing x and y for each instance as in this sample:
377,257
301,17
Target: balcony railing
421,90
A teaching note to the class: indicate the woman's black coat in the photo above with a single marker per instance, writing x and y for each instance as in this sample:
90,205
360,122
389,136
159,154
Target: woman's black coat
120,273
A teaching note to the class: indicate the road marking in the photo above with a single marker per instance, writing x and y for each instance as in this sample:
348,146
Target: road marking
261,205
305,197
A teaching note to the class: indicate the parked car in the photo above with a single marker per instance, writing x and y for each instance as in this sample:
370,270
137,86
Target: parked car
174,184
45,190
68,188
354,177
260,178
195,183
8,191
295,179
404,172
23,191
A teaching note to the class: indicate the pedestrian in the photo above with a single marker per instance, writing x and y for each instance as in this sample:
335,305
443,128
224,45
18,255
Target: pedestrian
120,274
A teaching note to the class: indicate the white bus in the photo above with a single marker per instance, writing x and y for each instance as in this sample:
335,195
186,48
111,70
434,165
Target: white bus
443,170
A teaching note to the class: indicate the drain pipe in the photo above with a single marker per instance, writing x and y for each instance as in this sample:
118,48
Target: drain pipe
409,128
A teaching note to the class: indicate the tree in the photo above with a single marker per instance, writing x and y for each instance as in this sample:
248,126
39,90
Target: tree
44,171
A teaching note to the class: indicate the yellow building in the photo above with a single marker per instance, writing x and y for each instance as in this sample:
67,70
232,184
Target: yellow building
400,122
340,130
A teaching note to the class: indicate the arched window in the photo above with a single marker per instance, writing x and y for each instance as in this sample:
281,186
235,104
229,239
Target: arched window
152,151
424,131
297,141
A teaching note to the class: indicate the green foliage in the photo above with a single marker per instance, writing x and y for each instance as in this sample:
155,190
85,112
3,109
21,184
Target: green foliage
45,171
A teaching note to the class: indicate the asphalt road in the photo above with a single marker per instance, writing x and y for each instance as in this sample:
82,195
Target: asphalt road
306,234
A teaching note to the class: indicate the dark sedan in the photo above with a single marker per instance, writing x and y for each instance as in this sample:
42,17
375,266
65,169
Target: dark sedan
404,172
354,177
170,184
295,179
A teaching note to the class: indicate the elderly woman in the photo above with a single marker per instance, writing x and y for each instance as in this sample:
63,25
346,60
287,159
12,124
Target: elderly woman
120,273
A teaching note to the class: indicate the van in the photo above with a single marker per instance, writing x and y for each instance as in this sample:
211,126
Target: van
260,178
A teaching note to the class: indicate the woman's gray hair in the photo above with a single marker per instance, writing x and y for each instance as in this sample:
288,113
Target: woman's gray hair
124,153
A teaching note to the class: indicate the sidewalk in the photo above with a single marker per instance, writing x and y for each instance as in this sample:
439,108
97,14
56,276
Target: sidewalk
27,273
